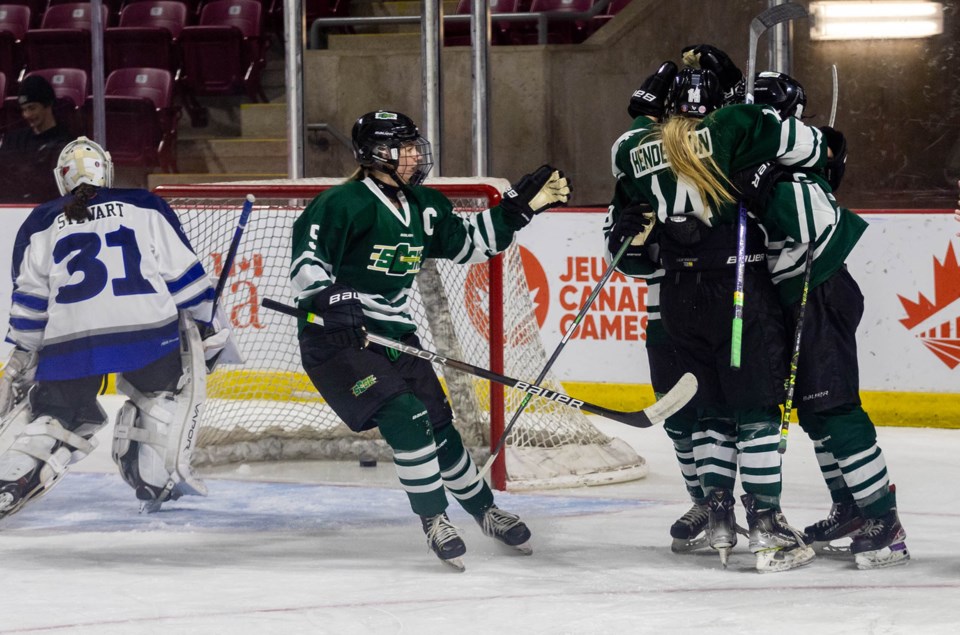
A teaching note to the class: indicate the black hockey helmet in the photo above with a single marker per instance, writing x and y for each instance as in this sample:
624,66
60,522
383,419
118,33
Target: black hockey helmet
378,137
696,93
780,91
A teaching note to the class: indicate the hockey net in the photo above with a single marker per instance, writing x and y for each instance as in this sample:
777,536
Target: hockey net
267,409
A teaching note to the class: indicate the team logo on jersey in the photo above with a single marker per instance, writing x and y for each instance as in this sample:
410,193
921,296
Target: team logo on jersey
937,323
396,260
363,385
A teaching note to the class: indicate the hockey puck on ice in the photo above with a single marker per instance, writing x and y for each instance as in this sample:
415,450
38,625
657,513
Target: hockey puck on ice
368,461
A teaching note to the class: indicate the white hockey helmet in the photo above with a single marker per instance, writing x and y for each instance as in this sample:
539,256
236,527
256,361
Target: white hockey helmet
83,161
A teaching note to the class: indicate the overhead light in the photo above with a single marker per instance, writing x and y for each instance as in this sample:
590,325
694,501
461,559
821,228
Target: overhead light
864,20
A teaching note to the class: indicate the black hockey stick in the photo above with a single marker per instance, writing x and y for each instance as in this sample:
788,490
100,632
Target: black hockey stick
798,330
673,401
556,353
758,26
232,252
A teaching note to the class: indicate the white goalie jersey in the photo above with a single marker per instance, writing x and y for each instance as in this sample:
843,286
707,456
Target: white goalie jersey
103,295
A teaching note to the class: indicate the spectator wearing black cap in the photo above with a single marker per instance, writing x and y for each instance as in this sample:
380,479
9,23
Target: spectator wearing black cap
29,153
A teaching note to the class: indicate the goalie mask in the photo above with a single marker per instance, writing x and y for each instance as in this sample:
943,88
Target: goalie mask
781,91
83,161
696,93
390,142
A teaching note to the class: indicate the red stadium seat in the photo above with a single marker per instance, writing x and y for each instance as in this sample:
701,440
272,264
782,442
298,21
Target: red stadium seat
37,7
141,117
224,54
63,39
14,23
146,36
501,32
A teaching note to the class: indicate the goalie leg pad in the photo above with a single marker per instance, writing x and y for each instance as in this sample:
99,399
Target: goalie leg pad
35,453
155,432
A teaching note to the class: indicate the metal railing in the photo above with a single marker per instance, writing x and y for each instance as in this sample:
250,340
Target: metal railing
543,19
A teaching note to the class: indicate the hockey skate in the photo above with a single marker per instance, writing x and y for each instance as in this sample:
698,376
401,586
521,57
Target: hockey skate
507,528
689,532
11,498
880,543
777,545
721,523
844,520
443,540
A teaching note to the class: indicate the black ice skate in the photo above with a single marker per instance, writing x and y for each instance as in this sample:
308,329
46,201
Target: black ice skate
777,545
845,520
11,498
689,532
880,543
505,527
443,540
721,523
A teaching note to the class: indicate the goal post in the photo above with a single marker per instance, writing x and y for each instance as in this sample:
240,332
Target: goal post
267,409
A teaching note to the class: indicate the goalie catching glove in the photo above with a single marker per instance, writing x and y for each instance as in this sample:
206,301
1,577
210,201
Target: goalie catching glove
18,374
635,223
342,313
710,58
651,98
533,193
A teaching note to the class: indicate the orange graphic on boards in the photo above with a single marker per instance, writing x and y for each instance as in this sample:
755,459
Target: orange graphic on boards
477,293
937,323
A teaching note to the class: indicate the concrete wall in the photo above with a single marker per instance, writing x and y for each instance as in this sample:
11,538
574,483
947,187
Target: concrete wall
899,100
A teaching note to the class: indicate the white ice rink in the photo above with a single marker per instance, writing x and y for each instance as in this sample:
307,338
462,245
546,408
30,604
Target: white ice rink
291,549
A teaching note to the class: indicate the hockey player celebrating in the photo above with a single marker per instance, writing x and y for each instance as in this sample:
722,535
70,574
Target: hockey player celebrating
683,168
356,251
104,281
799,212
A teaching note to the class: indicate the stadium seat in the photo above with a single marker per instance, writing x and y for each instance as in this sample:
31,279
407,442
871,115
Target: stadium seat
560,31
501,32
224,54
146,36
63,39
141,117
37,7
14,23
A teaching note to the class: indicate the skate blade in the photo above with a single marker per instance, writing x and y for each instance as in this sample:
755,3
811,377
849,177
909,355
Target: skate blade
681,545
150,507
455,563
724,553
524,548
776,560
831,548
891,556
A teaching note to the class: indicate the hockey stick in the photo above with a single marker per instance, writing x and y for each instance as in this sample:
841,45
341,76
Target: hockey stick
673,401
556,353
798,330
760,24
232,252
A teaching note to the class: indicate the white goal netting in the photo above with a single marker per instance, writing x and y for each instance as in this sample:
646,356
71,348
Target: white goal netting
267,409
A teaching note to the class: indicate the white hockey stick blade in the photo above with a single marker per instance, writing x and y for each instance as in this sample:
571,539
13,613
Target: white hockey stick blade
836,96
671,403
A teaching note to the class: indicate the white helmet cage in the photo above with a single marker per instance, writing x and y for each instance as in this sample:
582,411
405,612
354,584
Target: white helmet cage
83,161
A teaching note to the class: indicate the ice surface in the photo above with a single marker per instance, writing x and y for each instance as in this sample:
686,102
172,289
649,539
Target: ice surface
333,548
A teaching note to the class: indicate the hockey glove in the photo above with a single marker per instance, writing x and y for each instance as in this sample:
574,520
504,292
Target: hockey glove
533,193
651,98
836,164
634,224
711,58
18,374
756,185
342,314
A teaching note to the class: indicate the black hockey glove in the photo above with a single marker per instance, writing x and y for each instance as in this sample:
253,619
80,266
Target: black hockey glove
533,193
634,224
651,98
711,58
837,164
756,185
340,308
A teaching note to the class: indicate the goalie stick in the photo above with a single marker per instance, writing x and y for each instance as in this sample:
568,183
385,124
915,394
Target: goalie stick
673,401
232,252
758,26
798,331
556,353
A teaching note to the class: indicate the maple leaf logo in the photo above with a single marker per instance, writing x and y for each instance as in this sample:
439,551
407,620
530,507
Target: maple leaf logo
937,323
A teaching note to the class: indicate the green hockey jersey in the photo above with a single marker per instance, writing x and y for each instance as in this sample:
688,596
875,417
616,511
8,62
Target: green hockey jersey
353,235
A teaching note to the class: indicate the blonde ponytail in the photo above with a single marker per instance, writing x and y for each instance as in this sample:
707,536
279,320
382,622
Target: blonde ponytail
681,145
